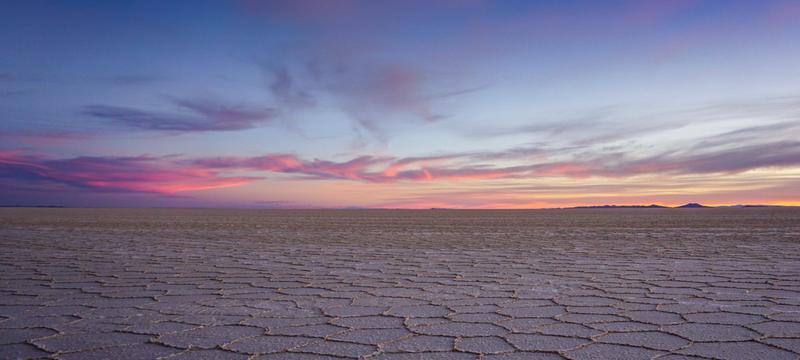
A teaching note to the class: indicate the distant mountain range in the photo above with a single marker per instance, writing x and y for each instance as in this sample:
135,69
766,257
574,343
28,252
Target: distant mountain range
621,207
750,206
685,206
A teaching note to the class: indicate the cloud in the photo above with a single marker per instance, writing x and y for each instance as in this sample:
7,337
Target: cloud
167,176
400,87
362,168
735,159
589,121
198,116
380,96
732,160
765,146
377,94
468,166
374,95
354,169
602,125
749,134
140,174
285,88
750,121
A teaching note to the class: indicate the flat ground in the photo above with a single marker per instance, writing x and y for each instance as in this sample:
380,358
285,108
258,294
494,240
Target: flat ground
435,284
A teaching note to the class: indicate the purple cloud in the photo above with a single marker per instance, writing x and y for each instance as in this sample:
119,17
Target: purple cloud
141,174
376,95
284,87
468,166
204,116
166,176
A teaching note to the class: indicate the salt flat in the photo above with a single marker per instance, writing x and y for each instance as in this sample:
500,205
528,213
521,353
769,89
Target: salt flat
386,284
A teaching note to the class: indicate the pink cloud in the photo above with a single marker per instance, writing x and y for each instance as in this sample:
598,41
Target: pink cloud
115,174
400,86
170,175
354,169
465,167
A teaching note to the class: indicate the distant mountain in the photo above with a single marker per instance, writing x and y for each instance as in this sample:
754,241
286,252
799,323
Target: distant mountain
686,206
738,206
692,206
653,206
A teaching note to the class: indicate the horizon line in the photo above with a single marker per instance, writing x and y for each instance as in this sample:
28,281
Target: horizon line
577,207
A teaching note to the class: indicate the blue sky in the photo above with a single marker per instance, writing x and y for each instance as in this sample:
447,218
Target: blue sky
337,103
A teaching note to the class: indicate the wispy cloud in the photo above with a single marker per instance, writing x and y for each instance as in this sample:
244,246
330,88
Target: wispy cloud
142,174
197,116
175,174
354,169
749,134
610,125
376,96
748,146
285,88
468,166
388,93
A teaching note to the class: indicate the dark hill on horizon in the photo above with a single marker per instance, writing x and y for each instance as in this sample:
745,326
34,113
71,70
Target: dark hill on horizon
693,206
654,206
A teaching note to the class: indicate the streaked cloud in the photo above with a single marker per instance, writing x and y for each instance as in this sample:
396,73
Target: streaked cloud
197,116
175,174
141,174
441,168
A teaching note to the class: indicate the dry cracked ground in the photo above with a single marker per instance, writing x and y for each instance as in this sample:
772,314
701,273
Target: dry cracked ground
380,284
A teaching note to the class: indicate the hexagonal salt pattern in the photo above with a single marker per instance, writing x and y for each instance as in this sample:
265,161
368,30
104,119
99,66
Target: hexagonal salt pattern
381,284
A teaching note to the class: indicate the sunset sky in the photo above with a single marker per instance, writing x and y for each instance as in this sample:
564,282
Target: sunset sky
418,104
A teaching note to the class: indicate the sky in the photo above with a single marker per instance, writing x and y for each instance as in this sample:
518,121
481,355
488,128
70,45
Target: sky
399,104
